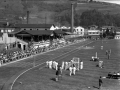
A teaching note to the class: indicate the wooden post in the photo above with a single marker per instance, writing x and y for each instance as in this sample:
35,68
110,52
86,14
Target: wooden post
96,54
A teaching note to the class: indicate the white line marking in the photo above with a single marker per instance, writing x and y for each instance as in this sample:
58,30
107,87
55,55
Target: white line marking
41,67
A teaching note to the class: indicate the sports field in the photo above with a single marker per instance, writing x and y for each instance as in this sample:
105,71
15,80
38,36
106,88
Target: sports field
41,78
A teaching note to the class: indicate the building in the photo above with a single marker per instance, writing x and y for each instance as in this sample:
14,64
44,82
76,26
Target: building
35,26
93,27
7,27
105,28
93,32
117,36
79,31
6,39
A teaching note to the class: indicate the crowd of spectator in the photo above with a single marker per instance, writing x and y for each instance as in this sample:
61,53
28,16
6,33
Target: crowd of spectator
33,50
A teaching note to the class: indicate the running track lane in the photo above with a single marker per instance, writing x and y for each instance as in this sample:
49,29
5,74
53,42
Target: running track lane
25,64
62,56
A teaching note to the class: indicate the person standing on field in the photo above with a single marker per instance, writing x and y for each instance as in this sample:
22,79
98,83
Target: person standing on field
81,65
100,82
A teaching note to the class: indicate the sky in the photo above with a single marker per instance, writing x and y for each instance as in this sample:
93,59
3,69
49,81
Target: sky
110,1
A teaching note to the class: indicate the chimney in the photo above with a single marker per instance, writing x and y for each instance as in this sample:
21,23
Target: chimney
27,17
72,17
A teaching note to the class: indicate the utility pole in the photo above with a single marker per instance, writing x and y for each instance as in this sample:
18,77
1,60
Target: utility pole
72,17
27,12
27,16
45,21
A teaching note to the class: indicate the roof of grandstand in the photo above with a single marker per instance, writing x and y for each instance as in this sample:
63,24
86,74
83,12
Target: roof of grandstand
33,25
59,32
37,32
33,32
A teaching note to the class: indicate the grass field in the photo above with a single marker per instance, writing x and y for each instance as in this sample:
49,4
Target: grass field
9,72
41,78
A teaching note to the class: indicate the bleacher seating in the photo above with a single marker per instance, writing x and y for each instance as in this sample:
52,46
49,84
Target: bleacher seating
19,54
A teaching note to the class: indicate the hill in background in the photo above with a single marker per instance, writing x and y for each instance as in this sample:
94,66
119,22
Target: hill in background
48,9
45,11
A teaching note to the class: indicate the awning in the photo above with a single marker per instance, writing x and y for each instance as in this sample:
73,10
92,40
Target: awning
69,33
39,32
23,35
59,32
34,32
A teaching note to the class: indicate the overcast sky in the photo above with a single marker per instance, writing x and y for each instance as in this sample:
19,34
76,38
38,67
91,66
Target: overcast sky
110,1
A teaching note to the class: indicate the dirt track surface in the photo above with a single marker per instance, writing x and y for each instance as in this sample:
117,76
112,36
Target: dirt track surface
41,78
9,72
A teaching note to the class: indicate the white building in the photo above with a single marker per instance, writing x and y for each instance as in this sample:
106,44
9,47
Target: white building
53,27
6,39
64,27
79,31
117,36
93,32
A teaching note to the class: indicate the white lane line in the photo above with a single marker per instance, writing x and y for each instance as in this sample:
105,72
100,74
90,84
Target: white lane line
38,54
41,67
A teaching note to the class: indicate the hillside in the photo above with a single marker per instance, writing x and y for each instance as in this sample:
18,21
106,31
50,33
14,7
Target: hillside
49,9
45,11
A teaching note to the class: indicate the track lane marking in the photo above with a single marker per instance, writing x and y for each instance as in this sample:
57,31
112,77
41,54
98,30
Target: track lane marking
44,63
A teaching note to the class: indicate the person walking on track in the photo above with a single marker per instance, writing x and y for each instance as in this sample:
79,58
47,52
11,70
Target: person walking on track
100,82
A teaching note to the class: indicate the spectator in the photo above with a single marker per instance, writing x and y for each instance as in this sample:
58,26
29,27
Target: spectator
100,82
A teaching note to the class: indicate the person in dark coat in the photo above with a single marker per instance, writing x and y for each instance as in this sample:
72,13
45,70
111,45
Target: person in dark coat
106,52
100,82
58,73
108,55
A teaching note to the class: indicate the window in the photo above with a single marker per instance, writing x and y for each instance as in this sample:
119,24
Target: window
81,29
2,30
9,30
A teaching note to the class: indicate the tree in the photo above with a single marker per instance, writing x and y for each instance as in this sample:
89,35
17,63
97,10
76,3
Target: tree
12,8
92,17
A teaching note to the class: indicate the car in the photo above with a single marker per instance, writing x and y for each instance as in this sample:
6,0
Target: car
113,76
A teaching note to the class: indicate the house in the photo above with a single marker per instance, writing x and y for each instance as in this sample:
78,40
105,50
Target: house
105,28
79,31
6,27
93,27
94,34
93,30
6,39
117,36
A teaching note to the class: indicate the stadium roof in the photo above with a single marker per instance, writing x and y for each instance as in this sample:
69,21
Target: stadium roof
59,32
33,32
33,25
